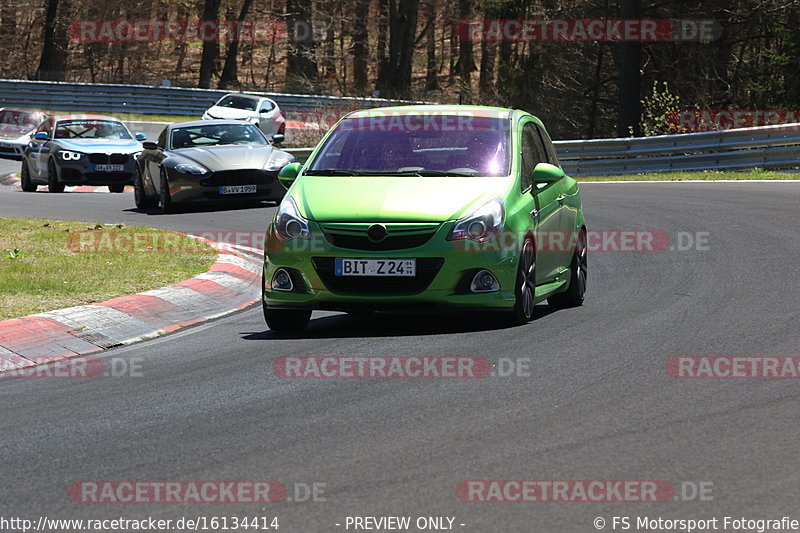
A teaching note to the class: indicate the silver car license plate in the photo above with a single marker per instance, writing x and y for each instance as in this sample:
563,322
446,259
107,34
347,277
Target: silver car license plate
237,189
376,267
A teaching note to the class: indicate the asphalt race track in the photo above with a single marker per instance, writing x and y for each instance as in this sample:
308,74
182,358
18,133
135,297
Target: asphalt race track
598,402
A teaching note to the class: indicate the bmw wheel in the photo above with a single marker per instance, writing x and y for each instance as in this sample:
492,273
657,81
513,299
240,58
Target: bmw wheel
53,185
525,290
574,295
118,187
25,176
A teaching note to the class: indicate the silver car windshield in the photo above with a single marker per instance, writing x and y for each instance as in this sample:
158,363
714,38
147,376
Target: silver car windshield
217,134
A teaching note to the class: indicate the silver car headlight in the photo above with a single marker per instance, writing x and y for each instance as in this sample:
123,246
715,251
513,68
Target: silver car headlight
194,170
277,163
67,155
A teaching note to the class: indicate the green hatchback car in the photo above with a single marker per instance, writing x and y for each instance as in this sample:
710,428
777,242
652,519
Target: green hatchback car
425,207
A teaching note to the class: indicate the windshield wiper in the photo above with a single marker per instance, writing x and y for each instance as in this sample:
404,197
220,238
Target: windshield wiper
426,172
332,172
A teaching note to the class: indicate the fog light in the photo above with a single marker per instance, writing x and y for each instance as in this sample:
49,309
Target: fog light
282,281
484,281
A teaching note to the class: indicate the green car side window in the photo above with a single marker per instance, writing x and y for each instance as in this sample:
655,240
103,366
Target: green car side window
532,154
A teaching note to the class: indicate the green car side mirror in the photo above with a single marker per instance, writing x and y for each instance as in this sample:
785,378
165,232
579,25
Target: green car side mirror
547,173
289,173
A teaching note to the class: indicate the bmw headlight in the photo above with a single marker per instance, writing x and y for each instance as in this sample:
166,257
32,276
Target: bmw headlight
481,224
289,224
66,155
277,163
194,170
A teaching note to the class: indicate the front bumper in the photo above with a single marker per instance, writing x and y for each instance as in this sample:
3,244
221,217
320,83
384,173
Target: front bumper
443,271
188,189
12,148
84,172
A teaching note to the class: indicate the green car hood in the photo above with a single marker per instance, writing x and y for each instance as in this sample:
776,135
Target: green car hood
392,199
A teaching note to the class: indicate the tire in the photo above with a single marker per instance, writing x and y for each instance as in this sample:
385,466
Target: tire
53,184
25,176
286,320
140,195
525,289
574,295
120,187
164,197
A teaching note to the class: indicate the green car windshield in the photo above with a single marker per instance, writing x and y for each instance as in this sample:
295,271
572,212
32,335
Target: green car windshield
416,145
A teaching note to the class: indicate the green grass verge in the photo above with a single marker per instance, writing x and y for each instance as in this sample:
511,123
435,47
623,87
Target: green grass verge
42,268
699,175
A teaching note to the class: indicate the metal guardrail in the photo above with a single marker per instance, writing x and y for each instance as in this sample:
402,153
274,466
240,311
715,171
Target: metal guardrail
769,147
111,98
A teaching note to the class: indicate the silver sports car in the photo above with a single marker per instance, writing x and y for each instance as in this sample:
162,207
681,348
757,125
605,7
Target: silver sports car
209,160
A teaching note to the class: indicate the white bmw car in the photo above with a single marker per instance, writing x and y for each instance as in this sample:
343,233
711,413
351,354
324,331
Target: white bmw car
262,112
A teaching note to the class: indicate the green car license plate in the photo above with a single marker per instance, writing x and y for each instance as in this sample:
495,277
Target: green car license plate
376,267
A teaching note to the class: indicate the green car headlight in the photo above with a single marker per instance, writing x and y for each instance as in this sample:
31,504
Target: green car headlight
289,224
481,224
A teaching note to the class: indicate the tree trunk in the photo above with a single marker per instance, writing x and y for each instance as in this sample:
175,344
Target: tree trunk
301,58
53,61
8,15
230,70
402,36
407,27
360,46
629,79
598,71
380,48
488,55
210,45
466,62
431,79
326,11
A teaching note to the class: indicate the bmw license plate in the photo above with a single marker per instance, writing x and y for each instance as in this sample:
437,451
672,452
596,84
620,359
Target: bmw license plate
109,168
237,189
376,267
